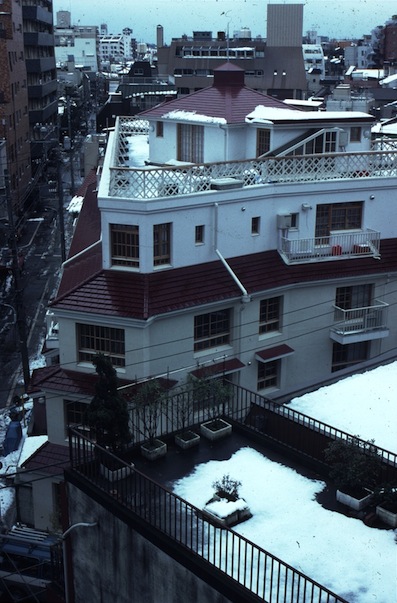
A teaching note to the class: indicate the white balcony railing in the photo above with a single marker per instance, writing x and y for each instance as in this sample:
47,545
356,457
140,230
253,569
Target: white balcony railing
361,320
156,182
337,246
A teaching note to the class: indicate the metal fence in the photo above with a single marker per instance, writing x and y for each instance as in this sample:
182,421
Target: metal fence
243,562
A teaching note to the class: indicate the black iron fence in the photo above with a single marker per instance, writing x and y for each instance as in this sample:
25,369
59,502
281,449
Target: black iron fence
243,562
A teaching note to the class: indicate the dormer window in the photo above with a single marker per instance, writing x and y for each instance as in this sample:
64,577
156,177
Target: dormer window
355,134
124,241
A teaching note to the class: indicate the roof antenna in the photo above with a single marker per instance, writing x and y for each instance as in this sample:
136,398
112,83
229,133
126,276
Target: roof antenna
227,35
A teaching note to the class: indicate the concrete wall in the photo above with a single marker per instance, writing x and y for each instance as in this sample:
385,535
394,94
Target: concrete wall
113,562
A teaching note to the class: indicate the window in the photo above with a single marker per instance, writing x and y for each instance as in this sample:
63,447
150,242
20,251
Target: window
159,129
211,330
161,244
75,413
268,374
338,216
190,143
199,234
262,142
124,245
359,296
92,339
255,225
344,356
355,134
269,315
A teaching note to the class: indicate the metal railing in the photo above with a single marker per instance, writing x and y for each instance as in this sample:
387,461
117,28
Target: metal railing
365,243
243,562
361,320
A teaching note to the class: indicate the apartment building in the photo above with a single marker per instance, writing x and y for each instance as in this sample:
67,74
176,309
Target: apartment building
274,65
14,113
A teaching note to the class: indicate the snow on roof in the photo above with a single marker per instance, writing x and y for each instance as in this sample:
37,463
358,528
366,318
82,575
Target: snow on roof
193,116
75,204
262,114
30,446
389,79
362,405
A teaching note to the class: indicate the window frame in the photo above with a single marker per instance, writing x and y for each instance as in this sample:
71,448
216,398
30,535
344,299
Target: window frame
128,240
162,244
212,330
355,134
255,225
345,356
270,315
262,141
270,378
338,216
159,129
199,232
190,143
103,339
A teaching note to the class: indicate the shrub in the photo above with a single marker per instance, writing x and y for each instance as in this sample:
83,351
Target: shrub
227,488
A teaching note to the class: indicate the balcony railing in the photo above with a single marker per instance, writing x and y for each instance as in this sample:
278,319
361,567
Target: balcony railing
341,245
361,321
156,182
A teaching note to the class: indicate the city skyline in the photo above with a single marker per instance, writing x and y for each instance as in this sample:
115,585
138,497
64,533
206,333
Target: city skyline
339,19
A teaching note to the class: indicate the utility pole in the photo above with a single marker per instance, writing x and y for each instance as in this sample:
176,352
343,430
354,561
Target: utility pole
60,204
19,305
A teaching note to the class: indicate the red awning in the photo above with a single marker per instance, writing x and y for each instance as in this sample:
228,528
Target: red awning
227,366
279,351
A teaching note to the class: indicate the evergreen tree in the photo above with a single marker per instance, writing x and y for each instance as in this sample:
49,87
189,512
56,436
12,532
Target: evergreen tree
108,410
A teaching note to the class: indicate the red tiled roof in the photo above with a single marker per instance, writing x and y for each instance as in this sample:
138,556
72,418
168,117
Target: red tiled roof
142,296
227,98
51,459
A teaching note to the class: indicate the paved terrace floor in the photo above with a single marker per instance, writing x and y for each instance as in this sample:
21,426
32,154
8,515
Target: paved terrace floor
179,463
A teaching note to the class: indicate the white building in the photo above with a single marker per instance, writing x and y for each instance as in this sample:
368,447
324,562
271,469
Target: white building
256,241
76,43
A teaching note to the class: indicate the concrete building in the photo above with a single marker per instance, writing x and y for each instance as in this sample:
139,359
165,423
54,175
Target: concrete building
77,44
274,66
14,106
117,48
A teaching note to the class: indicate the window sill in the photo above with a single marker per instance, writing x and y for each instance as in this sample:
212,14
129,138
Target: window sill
269,335
212,351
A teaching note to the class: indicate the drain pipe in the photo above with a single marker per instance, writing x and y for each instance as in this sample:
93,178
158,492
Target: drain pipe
246,298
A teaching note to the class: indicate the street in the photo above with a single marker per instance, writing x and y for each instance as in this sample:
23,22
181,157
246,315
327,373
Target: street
40,244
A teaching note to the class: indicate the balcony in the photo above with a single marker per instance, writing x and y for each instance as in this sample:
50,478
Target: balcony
338,246
360,324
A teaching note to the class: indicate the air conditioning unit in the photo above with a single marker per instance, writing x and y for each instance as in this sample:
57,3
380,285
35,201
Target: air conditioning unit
284,221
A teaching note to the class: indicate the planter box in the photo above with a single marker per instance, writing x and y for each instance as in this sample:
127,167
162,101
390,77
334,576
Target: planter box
215,429
217,511
357,504
116,474
187,439
154,451
388,517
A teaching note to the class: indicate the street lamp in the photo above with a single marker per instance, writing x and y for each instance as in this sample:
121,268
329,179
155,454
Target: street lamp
65,565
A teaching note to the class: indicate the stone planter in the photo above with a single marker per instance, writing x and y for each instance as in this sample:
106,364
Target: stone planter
154,451
187,439
226,513
388,517
357,504
116,474
215,429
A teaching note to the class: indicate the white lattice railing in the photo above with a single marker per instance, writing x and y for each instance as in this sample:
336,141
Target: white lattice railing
334,247
151,183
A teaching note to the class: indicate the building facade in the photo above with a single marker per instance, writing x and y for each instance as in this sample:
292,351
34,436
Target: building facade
252,241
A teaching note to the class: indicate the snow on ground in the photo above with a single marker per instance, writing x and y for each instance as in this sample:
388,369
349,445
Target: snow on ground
342,553
364,405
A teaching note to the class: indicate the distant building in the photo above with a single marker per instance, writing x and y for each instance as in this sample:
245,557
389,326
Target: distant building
78,44
274,67
117,48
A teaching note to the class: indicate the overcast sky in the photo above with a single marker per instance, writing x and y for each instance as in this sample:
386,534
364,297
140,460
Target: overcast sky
333,18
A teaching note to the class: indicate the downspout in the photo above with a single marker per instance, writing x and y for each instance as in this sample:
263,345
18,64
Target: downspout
246,298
